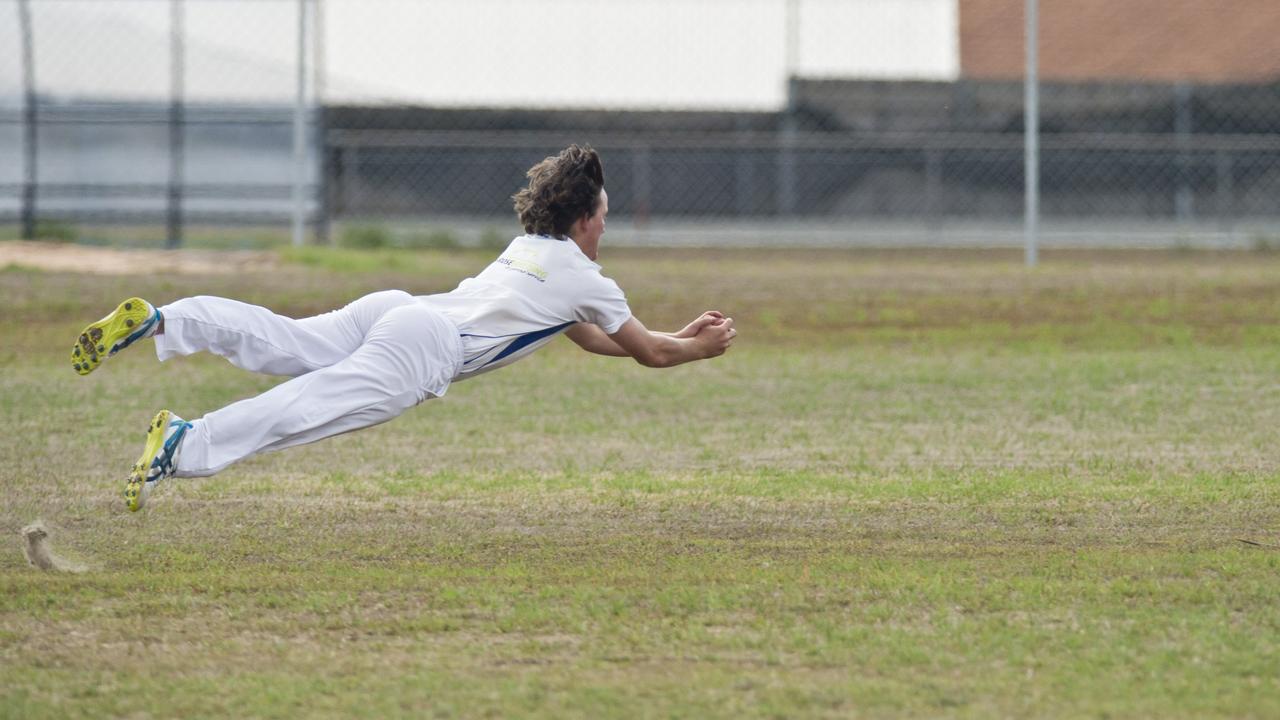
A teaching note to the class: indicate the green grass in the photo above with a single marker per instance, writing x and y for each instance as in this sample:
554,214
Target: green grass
922,484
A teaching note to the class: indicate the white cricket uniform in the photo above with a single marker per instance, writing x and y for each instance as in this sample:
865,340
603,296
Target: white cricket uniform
382,354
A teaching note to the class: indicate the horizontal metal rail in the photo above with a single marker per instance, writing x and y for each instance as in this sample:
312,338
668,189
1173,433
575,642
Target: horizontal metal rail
196,191
770,141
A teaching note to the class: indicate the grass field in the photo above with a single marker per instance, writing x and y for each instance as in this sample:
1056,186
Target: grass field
921,484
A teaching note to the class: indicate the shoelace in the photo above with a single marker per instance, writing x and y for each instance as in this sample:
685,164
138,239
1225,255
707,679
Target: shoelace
164,460
141,332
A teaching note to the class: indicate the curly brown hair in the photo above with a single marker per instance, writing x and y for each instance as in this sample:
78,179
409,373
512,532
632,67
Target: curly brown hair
562,189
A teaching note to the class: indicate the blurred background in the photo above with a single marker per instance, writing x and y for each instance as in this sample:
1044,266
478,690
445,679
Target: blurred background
246,123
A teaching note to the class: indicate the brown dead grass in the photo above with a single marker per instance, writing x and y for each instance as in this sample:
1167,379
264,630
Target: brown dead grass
58,257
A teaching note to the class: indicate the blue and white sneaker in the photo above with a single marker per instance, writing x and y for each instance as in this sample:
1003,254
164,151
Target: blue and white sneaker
159,458
132,320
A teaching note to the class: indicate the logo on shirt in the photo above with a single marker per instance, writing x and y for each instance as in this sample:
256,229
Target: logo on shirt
524,262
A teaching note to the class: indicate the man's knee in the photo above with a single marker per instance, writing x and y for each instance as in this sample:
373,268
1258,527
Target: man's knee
195,305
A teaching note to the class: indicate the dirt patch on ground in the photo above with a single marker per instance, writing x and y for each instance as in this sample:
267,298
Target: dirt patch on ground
60,257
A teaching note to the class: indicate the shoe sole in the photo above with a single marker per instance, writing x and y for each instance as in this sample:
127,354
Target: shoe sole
98,341
135,490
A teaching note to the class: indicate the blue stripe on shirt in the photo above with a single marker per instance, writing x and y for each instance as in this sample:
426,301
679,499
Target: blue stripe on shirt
526,340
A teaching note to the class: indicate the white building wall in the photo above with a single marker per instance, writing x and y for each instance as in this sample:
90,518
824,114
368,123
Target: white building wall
880,39
677,54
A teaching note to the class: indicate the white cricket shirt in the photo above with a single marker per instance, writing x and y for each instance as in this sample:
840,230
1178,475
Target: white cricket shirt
536,289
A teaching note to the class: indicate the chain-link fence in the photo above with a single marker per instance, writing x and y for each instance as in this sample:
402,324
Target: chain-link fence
747,121
146,120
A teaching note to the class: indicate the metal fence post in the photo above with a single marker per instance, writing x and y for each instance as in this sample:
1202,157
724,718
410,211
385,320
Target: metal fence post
300,129
787,169
177,71
1031,132
787,141
324,191
30,117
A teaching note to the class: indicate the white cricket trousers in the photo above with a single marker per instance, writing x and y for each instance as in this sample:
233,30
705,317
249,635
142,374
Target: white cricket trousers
352,368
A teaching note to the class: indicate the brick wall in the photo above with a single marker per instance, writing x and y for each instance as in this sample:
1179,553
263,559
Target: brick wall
1155,40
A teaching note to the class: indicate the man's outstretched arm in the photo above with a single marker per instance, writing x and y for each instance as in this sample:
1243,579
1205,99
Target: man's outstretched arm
708,336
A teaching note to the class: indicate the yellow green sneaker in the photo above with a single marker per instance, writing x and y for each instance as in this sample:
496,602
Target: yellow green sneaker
159,457
132,320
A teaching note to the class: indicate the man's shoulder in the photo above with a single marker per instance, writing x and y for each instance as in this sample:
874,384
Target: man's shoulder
554,263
